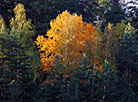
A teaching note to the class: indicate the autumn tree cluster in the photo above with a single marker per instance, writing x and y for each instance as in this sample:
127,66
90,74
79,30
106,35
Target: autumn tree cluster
71,40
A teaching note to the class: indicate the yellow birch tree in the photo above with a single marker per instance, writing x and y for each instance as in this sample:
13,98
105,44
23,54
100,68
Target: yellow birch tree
69,38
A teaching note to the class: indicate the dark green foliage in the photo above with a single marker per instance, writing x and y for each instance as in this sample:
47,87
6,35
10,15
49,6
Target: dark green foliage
5,79
88,9
116,87
91,85
84,89
19,61
15,92
42,11
128,51
10,88
115,13
15,61
16,53
128,58
52,89
110,11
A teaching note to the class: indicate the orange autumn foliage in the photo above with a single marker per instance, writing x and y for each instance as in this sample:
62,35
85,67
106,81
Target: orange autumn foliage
69,38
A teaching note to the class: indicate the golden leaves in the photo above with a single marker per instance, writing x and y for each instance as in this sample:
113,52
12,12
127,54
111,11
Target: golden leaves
20,12
2,25
109,26
69,37
19,21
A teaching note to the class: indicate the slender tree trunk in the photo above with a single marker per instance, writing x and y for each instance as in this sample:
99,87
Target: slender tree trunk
128,75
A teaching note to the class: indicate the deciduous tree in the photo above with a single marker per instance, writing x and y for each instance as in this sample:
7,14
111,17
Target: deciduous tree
69,38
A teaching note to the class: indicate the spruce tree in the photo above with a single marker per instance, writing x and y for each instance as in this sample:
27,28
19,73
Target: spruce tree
15,92
84,84
19,54
10,89
128,57
115,13
53,88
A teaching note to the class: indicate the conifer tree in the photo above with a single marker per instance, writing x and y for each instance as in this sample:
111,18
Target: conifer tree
53,88
9,91
128,57
15,92
42,11
115,12
23,27
115,86
19,52
3,33
26,58
84,84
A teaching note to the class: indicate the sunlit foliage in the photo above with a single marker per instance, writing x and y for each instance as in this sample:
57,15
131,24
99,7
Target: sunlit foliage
69,38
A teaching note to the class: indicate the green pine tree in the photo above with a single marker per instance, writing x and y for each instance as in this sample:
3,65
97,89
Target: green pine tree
128,57
115,86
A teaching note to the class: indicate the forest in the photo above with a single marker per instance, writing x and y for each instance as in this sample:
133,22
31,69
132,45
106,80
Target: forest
68,51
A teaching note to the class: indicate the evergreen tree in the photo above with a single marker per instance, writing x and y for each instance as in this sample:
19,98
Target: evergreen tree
24,30
10,89
128,57
3,33
42,11
84,84
115,87
115,13
26,59
18,54
15,92
110,11
53,88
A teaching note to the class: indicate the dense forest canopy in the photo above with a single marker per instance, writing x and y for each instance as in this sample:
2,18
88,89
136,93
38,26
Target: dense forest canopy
68,51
